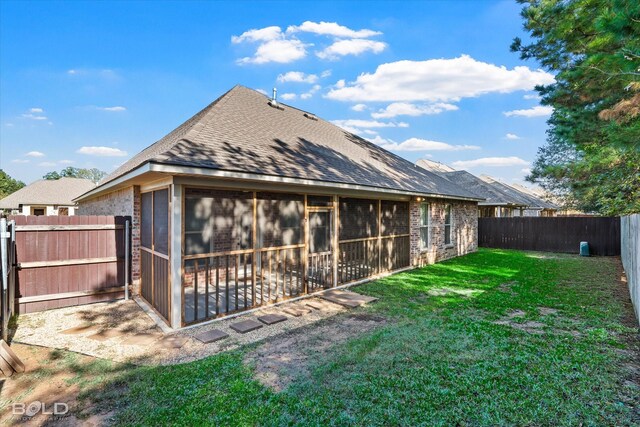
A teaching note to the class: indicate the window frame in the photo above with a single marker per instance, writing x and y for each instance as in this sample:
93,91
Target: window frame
424,246
448,210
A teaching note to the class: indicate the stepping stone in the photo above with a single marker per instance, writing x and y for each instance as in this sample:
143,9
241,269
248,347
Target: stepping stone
105,335
80,329
270,319
172,341
320,305
211,336
245,326
142,339
347,299
297,311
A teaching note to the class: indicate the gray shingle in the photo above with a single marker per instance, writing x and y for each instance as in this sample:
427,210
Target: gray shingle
241,132
48,192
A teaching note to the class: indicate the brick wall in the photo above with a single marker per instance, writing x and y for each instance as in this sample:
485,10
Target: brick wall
120,202
464,235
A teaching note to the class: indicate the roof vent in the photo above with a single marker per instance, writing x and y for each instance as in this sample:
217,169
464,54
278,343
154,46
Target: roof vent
273,101
310,116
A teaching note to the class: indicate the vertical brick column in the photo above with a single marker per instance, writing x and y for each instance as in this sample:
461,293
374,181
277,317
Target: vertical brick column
135,239
414,232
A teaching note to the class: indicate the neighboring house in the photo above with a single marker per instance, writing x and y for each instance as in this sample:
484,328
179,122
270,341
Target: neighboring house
496,203
251,202
536,205
47,197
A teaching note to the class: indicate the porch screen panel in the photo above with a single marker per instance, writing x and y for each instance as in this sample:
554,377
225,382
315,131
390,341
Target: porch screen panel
358,245
161,221
146,220
279,219
395,252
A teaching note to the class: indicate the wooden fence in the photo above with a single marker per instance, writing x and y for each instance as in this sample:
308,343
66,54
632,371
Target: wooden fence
554,234
630,232
63,261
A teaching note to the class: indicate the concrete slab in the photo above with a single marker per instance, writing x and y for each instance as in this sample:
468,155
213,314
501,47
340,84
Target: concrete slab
297,310
106,334
346,298
172,341
245,326
142,339
270,319
211,336
81,329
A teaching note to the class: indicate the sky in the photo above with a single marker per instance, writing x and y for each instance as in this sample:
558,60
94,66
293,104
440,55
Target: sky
90,84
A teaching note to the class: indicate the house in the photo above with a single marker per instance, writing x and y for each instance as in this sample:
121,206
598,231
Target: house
252,202
47,197
496,202
501,200
536,205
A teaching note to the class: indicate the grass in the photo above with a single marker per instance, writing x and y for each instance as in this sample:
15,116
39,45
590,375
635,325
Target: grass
441,359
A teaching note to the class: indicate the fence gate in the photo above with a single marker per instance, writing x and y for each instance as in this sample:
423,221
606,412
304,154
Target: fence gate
7,272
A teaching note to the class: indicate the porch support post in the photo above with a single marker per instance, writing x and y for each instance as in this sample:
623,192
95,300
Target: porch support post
175,260
336,228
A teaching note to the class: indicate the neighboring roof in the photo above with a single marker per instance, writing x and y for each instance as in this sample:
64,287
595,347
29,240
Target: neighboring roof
48,192
492,195
241,132
532,201
432,166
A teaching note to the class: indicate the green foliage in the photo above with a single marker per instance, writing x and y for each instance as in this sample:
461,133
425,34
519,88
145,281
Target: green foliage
94,174
440,359
8,185
592,154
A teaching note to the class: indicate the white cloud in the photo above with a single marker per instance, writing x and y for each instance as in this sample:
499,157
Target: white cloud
532,96
350,47
359,107
417,144
512,136
34,154
102,151
490,162
66,162
298,77
288,96
438,80
331,29
273,46
526,171
325,73
34,117
258,35
36,110
407,109
537,111
47,164
20,161
117,108
72,72
366,124
262,91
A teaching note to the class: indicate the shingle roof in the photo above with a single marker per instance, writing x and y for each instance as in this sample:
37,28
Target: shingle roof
241,132
48,192
475,185
532,201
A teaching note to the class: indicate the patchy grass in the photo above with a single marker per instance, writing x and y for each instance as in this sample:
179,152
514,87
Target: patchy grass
492,338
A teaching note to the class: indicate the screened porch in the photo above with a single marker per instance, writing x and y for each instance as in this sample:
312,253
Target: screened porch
245,249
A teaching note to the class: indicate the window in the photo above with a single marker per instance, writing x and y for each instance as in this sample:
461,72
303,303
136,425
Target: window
447,224
424,226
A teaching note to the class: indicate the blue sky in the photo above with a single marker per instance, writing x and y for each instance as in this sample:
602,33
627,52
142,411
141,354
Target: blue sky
89,84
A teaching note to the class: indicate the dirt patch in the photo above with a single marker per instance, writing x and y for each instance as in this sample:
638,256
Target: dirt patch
507,287
547,311
440,292
278,362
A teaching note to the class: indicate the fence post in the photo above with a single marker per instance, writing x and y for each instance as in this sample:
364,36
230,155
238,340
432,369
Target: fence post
4,235
126,259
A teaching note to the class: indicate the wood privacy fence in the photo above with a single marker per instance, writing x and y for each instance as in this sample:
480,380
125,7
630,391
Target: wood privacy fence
630,245
551,234
63,261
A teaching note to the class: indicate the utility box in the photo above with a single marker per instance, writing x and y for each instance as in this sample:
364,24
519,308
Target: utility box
584,248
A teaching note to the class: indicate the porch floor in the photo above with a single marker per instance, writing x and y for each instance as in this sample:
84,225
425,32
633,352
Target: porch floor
121,331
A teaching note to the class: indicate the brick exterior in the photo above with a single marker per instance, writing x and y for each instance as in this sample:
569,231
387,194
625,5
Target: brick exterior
464,235
120,202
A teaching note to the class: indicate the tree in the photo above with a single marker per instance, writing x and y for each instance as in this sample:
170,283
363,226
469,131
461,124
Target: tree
8,185
592,153
94,174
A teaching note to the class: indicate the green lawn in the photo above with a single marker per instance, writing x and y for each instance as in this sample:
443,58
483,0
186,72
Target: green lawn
560,354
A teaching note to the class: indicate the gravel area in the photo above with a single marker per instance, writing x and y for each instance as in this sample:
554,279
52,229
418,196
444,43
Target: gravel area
127,319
